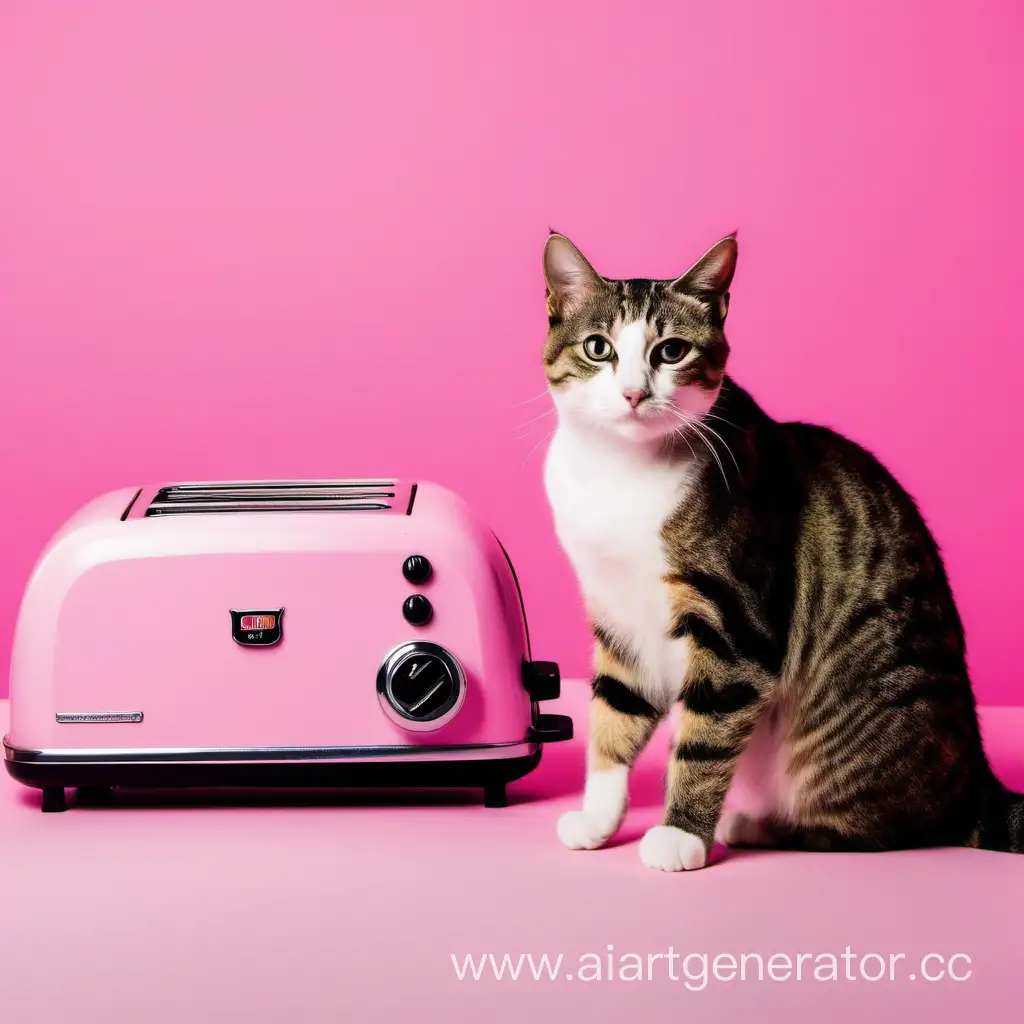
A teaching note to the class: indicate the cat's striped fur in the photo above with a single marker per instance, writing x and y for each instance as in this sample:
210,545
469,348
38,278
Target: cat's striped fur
800,597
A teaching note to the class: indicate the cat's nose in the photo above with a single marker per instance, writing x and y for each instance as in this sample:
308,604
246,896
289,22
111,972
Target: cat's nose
635,395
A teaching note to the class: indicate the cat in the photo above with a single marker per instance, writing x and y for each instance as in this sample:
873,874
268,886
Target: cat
771,581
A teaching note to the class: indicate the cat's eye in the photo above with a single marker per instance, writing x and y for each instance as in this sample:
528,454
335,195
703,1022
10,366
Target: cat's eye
598,349
672,350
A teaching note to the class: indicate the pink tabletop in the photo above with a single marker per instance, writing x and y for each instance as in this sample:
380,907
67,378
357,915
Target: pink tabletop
349,908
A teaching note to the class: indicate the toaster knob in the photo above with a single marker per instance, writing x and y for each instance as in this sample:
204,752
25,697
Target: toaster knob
417,569
420,685
418,610
541,679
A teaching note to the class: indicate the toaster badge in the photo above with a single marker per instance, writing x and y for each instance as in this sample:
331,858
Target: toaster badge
256,628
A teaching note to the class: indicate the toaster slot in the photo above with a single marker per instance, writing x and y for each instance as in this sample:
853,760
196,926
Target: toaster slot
266,506
280,496
198,497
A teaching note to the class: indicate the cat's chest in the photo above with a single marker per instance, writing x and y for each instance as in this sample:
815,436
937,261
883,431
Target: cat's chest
609,512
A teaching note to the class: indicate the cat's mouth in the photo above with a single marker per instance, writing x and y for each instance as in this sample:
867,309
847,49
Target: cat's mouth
644,422
642,413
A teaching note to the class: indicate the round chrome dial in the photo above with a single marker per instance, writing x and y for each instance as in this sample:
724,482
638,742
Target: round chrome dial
420,685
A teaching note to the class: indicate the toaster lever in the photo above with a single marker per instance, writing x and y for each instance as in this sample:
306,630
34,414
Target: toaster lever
541,679
551,729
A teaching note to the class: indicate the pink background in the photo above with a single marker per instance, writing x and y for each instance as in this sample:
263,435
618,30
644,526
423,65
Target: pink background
303,238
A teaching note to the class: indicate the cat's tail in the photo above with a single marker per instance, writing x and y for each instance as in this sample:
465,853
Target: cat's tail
1002,821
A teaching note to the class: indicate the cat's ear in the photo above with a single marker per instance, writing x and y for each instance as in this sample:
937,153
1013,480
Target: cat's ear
570,279
711,275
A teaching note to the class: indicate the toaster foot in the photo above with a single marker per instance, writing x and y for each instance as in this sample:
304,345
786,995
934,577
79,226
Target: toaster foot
53,799
495,795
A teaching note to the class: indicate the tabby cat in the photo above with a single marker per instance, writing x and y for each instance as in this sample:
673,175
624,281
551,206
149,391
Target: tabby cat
770,580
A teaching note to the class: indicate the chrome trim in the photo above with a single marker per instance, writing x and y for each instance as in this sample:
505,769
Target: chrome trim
385,677
205,485
270,755
91,717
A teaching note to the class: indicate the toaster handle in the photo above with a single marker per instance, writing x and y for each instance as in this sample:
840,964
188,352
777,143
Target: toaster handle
541,679
551,729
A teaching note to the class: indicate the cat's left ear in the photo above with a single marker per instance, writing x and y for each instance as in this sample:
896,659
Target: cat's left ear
711,275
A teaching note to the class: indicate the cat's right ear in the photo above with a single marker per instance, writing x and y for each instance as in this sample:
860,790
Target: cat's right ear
570,279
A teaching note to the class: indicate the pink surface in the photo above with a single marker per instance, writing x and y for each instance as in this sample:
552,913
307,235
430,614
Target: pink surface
348,908
255,238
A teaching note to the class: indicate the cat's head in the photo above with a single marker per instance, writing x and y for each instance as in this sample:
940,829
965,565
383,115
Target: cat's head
635,358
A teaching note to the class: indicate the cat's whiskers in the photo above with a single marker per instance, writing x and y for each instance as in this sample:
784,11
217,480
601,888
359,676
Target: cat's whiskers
700,423
524,426
721,419
680,432
690,422
684,422
536,446
703,425
526,401
699,430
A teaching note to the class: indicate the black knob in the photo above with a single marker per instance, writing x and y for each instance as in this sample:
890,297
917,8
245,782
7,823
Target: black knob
420,685
417,569
541,679
417,610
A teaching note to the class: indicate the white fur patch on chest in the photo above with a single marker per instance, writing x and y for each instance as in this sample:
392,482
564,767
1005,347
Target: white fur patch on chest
609,505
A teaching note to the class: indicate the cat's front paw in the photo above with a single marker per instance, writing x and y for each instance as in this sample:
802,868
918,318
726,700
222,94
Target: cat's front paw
667,848
582,831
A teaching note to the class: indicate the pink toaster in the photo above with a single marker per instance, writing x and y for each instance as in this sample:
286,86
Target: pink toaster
343,632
